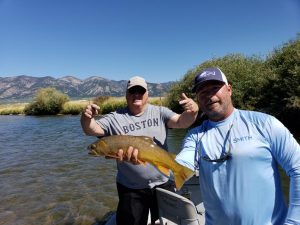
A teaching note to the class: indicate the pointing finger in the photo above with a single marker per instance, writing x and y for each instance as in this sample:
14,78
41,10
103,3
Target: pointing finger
94,109
94,106
183,99
183,96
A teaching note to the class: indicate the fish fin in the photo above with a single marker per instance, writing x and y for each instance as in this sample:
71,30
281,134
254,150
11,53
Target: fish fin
181,175
164,170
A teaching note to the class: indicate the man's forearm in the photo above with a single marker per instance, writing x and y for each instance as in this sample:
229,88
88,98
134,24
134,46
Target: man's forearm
186,119
90,126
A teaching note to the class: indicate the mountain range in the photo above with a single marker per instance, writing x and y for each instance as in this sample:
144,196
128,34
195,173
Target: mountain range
24,88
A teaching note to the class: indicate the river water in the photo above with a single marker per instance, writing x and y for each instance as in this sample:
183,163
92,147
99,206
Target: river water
47,177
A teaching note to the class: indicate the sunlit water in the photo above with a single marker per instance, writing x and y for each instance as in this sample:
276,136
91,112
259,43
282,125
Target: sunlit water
47,177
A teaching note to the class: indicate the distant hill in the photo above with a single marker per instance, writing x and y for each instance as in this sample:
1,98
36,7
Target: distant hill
22,88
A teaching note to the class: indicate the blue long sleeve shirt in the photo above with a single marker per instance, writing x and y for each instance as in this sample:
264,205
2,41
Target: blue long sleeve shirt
246,188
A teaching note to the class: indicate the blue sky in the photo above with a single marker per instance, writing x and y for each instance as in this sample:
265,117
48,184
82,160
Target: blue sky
157,39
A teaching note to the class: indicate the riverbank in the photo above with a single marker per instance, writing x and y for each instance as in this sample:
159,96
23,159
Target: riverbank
75,107
12,109
71,107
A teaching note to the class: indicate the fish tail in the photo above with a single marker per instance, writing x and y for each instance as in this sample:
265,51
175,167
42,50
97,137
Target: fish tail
181,175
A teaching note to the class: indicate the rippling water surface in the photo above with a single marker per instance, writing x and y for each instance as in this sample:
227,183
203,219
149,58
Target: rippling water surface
47,177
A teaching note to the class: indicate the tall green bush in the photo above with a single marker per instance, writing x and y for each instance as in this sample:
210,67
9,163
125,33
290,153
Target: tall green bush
48,101
112,106
270,85
282,91
246,74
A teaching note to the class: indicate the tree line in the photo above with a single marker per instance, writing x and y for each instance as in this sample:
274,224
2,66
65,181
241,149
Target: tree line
270,84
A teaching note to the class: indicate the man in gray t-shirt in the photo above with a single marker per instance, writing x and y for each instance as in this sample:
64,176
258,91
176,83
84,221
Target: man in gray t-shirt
136,183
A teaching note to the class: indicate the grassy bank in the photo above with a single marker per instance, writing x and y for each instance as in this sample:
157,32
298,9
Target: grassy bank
75,107
12,109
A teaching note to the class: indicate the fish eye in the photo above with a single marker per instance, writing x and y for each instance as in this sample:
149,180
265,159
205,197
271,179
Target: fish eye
93,146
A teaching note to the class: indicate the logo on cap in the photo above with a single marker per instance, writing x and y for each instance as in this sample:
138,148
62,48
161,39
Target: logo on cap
208,73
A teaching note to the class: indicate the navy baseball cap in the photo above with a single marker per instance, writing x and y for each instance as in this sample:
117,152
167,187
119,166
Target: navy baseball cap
208,74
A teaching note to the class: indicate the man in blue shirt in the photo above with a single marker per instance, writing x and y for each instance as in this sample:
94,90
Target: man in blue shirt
237,153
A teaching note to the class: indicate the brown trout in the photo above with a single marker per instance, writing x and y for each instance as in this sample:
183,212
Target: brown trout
149,152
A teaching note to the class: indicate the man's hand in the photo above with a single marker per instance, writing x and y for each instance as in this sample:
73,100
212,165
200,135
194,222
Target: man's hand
188,104
88,123
91,110
130,156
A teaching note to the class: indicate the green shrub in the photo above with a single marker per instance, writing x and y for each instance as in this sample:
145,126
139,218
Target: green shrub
270,85
282,92
12,109
100,100
247,75
160,101
112,106
48,101
73,108
11,112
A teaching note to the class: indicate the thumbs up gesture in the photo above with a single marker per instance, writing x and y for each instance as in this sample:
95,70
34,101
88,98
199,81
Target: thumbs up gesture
188,104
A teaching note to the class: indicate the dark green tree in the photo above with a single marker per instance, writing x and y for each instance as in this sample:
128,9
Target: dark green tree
246,74
282,91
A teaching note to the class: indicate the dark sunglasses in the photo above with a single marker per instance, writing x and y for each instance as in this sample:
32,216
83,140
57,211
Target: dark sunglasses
223,157
136,90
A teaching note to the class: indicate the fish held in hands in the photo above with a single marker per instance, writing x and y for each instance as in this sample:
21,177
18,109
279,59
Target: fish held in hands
148,151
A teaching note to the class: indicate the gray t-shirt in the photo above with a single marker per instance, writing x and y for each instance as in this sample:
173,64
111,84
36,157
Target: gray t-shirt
152,123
